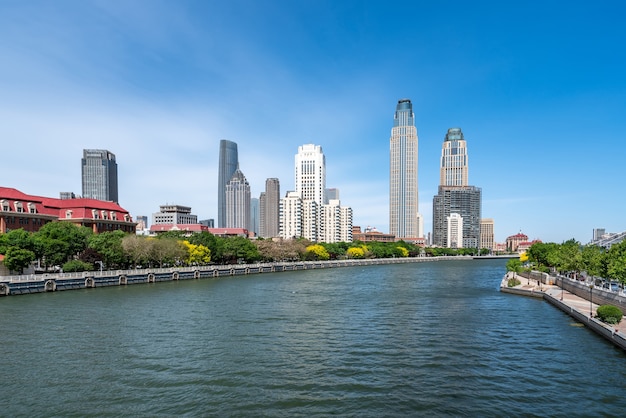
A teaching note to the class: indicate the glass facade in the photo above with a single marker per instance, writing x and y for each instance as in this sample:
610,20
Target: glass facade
99,175
228,163
464,200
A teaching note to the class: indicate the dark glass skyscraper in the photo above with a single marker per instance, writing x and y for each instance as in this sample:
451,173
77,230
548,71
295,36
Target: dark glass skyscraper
229,161
462,200
99,175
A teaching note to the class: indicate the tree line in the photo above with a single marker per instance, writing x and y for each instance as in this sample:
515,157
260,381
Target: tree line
76,248
572,257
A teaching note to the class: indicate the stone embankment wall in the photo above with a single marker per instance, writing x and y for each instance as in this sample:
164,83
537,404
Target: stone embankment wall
18,285
605,330
600,296
581,292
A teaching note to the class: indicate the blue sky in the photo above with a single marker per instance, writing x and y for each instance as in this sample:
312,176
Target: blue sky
538,88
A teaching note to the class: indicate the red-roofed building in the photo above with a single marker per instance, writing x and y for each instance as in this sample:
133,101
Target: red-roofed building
371,234
19,210
192,228
230,232
513,242
525,245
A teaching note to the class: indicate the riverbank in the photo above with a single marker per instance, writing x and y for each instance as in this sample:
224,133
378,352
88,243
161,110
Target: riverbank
581,309
39,283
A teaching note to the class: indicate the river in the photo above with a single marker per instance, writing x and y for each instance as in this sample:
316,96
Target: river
422,339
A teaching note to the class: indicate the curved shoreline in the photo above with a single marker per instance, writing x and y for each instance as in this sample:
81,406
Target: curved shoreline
579,308
27,284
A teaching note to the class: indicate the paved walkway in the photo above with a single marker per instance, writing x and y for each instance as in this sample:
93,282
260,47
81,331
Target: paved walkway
571,300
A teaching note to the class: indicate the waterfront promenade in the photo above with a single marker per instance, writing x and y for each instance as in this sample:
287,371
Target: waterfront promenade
581,309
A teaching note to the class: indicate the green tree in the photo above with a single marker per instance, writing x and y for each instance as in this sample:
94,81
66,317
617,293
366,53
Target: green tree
594,260
109,246
335,250
58,242
238,249
18,238
540,253
17,259
514,265
76,265
616,262
213,243
570,256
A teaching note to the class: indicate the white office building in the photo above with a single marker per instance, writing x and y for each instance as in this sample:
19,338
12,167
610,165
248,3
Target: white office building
455,231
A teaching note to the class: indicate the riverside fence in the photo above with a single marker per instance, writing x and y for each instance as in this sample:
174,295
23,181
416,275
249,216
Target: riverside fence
51,282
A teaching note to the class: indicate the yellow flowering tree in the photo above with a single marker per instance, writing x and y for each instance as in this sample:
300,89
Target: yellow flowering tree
355,252
316,252
523,257
197,254
403,252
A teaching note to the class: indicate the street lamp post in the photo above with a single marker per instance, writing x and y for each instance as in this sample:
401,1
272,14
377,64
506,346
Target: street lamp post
562,286
591,301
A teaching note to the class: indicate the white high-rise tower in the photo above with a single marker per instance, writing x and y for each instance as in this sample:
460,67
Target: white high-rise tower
311,173
454,165
403,202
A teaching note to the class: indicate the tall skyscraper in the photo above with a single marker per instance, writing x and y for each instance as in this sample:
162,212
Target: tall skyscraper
454,165
228,164
304,211
99,174
455,195
238,202
403,198
311,173
269,209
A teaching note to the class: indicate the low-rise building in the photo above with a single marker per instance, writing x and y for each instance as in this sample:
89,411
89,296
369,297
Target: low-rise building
371,234
29,212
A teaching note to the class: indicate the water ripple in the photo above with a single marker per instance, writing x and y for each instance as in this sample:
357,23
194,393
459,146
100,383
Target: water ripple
434,339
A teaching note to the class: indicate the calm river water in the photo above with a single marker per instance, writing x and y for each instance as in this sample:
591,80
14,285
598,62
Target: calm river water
424,339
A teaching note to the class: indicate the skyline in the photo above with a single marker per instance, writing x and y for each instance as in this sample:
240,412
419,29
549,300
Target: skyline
537,90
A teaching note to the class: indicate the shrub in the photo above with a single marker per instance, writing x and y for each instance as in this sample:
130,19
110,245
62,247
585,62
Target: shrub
609,314
77,265
513,282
